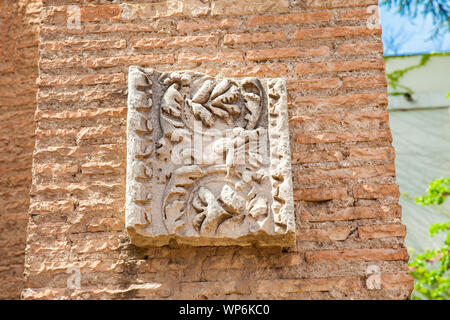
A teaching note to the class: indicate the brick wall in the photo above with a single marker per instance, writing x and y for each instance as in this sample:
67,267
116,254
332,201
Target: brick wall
346,196
18,72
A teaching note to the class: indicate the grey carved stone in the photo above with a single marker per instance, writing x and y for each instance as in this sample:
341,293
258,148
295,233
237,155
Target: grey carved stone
208,160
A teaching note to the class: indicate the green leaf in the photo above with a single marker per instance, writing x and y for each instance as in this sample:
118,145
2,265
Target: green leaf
431,268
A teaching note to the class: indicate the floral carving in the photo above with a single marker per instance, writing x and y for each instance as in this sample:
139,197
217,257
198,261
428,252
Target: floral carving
200,167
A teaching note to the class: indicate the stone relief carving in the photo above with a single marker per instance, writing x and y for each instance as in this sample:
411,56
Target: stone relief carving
208,160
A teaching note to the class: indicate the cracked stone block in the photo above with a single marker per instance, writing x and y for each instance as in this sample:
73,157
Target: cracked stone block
208,160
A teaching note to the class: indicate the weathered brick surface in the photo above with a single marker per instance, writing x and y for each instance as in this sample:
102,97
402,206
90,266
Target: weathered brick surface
18,71
346,197
238,7
163,9
328,4
320,194
291,18
351,213
334,32
130,60
291,52
361,48
361,154
375,191
338,66
81,45
357,254
190,56
254,37
207,25
382,231
198,41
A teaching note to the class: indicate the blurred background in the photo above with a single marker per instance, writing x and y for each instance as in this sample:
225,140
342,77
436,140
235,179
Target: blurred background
416,38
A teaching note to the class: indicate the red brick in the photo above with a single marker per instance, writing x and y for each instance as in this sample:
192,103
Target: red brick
322,235
198,290
77,80
320,194
352,213
79,45
357,255
102,168
141,60
55,170
197,41
40,207
162,9
123,27
363,154
361,48
100,28
95,13
375,191
374,116
60,62
261,70
396,281
320,118
313,84
291,18
230,39
79,95
80,114
240,261
207,25
361,82
316,157
106,224
293,52
189,56
382,231
363,99
328,4
334,32
321,175
339,66
358,136
237,7
355,14
307,285
88,13
55,15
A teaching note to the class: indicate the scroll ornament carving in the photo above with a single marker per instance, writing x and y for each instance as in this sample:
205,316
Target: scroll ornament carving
208,160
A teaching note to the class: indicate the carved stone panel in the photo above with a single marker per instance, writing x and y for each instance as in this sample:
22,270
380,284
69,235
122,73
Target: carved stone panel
208,160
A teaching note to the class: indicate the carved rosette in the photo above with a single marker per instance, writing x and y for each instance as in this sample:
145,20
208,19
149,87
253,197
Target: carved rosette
208,160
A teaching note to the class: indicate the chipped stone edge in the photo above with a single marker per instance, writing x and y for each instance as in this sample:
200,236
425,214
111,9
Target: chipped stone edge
138,103
280,156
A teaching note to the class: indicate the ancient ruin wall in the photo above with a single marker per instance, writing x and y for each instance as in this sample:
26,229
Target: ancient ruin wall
348,221
19,23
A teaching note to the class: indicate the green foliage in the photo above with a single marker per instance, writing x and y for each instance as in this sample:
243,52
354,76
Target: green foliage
430,270
393,78
437,191
439,227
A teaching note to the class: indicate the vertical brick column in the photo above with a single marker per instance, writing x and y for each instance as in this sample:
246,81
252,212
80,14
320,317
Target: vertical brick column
19,23
346,197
